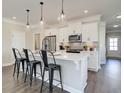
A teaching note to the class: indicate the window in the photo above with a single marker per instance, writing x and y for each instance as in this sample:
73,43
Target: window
113,44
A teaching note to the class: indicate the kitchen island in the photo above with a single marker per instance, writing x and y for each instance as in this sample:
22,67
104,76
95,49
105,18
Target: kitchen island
74,70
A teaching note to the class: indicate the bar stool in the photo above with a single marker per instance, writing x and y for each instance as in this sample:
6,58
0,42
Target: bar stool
18,59
50,68
32,64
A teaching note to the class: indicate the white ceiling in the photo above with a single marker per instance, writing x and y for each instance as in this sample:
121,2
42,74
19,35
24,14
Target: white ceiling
73,9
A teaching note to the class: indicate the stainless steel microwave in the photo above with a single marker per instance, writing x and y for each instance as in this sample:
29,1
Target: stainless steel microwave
75,38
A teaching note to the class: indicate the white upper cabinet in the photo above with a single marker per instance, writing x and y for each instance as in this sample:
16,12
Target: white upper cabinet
75,28
90,31
63,34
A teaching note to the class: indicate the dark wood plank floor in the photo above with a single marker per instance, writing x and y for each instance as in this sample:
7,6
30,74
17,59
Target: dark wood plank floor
107,80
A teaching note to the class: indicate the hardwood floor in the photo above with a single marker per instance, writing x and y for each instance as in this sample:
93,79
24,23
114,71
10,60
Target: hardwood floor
107,80
10,84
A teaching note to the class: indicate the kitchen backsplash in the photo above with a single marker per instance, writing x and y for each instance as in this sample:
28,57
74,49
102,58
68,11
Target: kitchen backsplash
85,46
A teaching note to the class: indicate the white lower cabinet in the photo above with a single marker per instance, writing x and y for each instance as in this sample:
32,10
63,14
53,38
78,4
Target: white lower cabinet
93,64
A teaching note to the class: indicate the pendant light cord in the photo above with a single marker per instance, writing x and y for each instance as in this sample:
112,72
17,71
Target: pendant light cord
27,16
62,7
41,10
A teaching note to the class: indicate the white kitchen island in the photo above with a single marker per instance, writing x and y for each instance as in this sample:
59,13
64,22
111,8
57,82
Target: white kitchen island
74,70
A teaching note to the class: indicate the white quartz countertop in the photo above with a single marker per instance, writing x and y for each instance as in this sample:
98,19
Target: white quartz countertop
68,56
62,55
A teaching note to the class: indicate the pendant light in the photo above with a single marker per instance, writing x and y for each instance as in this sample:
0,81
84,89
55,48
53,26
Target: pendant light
62,15
41,20
28,25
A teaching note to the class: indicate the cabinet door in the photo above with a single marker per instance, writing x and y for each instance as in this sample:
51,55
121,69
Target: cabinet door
90,31
93,62
75,28
63,34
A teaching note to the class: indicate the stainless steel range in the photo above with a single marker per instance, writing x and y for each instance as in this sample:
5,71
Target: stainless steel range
76,46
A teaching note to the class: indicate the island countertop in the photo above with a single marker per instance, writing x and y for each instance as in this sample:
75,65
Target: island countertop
67,56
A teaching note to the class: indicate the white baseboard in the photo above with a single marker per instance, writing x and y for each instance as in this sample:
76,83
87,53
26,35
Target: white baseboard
91,69
7,64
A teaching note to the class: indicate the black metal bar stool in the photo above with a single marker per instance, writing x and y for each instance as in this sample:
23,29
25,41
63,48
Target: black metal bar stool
50,68
32,64
18,59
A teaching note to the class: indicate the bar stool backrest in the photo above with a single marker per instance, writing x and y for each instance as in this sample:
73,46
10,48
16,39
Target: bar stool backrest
27,52
16,53
43,54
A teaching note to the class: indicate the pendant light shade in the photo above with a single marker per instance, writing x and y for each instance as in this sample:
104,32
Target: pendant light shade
41,19
27,24
62,14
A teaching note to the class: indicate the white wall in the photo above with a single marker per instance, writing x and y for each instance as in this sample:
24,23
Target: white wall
116,54
18,39
10,29
29,40
6,44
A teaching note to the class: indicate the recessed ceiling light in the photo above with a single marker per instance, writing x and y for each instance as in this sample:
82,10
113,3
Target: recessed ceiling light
115,25
118,17
85,11
13,17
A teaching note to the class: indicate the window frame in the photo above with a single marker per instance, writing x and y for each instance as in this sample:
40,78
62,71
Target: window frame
113,44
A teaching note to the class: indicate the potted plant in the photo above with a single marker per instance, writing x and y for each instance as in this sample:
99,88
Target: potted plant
85,47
